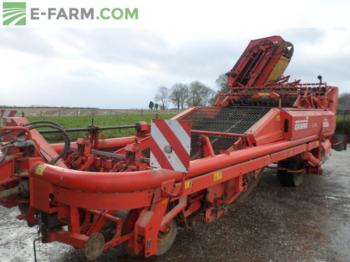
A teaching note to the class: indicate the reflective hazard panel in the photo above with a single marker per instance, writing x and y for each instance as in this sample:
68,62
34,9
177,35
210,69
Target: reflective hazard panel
7,113
170,144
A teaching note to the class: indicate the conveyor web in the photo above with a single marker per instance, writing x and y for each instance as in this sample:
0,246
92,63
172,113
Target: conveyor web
228,120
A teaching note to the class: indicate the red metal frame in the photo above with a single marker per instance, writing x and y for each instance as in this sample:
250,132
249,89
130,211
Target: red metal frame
87,192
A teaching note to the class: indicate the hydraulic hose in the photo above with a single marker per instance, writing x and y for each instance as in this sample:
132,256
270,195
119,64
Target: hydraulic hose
53,125
44,122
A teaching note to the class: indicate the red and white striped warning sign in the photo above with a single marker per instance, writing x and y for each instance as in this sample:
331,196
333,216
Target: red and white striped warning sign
7,113
170,144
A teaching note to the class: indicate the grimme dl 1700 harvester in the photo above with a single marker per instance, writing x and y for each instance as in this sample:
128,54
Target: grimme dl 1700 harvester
95,194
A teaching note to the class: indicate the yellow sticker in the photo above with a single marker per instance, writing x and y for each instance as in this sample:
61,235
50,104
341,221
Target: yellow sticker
278,117
217,176
263,94
39,170
188,184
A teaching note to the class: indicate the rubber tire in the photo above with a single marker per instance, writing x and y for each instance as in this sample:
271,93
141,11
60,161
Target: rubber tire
290,179
163,247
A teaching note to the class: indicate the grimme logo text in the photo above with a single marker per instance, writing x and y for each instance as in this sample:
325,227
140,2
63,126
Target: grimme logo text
15,13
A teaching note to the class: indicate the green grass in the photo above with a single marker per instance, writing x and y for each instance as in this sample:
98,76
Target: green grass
342,118
343,124
110,120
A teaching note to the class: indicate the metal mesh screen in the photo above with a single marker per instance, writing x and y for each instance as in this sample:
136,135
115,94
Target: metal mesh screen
228,120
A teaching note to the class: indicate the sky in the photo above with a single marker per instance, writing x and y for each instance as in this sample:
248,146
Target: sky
122,65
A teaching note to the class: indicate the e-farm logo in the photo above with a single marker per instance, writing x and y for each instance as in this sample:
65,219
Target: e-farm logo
14,13
19,13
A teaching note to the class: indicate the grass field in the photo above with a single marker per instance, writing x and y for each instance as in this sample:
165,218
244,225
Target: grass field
110,120
343,123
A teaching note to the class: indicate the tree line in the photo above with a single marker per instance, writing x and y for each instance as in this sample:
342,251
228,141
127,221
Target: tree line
198,94
186,95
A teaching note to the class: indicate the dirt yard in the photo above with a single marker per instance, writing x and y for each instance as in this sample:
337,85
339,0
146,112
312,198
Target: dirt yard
308,223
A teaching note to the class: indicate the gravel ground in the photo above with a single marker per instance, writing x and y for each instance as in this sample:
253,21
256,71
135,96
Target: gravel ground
308,223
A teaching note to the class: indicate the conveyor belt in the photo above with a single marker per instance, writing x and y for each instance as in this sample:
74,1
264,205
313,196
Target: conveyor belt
228,120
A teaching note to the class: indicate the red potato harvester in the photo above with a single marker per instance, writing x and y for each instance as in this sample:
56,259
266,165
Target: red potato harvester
95,194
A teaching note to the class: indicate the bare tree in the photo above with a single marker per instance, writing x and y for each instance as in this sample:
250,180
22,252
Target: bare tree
221,82
179,95
199,94
162,97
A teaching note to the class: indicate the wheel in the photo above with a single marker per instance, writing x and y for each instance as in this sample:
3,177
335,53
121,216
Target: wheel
291,180
166,239
291,172
94,246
